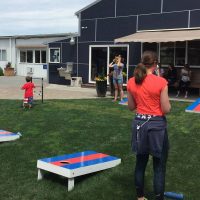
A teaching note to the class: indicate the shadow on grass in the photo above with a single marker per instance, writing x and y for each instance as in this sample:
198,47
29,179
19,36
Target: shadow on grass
64,181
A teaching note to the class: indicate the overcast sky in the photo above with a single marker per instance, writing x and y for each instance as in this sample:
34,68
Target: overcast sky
22,17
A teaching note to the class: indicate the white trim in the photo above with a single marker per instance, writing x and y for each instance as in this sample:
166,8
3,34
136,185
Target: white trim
126,16
86,7
127,64
172,29
161,9
174,53
137,23
90,63
158,50
77,58
115,8
186,52
50,54
189,15
79,24
108,62
95,36
96,41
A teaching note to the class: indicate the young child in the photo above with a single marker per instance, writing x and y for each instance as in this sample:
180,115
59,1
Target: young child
28,94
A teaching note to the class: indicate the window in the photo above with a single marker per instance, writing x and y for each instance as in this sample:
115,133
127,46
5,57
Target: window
167,51
3,55
40,56
43,56
37,56
32,56
29,56
23,56
180,53
193,53
54,55
98,62
150,47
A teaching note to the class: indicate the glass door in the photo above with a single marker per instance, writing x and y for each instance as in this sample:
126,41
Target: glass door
99,58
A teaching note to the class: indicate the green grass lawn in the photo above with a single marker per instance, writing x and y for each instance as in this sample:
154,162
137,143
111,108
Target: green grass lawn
66,126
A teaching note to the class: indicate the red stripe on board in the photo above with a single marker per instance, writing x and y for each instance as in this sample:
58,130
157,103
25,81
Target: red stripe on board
197,108
79,159
5,132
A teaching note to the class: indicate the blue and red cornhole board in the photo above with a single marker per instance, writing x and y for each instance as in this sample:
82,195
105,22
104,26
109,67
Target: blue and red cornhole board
194,107
6,136
124,102
76,164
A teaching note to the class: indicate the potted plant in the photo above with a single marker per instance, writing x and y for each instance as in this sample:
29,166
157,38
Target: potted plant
101,85
9,70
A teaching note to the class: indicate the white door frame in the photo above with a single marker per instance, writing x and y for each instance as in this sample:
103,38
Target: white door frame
108,54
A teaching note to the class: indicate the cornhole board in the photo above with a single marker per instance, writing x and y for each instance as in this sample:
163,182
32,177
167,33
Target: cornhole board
6,136
194,107
124,102
76,164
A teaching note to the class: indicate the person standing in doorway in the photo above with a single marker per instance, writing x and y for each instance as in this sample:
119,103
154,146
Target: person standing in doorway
148,95
118,66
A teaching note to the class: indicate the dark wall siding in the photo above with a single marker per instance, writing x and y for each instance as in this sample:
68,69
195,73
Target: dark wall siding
163,21
176,5
110,29
134,53
105,8
68,53
83,71
87,30
83,49
134,7
55,45
194,18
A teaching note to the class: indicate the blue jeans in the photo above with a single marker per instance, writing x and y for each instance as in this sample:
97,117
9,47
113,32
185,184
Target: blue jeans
159,168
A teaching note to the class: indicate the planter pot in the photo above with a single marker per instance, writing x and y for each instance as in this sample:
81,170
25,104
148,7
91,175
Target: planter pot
9,71
101,88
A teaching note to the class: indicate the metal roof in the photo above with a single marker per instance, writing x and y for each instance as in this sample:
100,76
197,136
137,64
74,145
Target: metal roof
67,35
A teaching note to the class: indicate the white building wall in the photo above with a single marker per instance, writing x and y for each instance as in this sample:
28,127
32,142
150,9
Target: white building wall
13,46
4,44
36,69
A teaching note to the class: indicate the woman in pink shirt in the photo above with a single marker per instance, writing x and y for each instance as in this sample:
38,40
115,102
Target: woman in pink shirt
148,95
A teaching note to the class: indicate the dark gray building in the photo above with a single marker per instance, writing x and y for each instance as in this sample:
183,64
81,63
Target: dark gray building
103,21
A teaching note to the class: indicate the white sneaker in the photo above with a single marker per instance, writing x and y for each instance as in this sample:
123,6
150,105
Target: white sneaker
186,96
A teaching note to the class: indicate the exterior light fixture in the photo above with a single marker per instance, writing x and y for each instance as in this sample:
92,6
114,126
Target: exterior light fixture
72,41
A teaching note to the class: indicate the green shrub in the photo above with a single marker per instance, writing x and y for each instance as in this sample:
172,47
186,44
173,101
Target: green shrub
1,72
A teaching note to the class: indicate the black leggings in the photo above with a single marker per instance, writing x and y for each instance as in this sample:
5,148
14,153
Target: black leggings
159,168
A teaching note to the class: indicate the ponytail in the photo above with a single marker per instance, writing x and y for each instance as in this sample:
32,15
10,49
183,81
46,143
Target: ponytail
140,73
149,59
